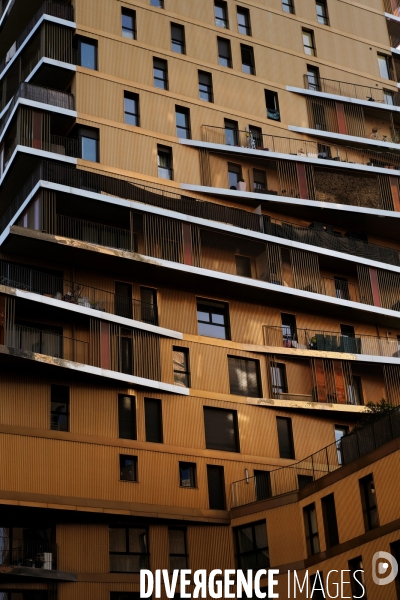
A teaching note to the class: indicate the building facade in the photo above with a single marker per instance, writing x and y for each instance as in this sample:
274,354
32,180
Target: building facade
199,289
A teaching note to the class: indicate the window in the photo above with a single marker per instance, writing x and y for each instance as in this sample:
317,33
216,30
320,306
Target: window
180,358
243,18
248,65
252,546
157,3
148,305
178,558
256,137
385,66
289,330
153,420
131,109
127,417
221,429
231,132
128,467
262,482
342,288
87,53
178,43
160,72
128,549
243,266
216,487
221,14
89,144
224,53
182,122
330,521
311,528
272,105
124,595
313,78
308,42
317,586
187,474
212,319
357,582
59,412
354,389
322,12
234,175
395,551
278,379
285,437
303,480
164,156
288,6
340,431
388,97
205,86
129,23
368,501
123,300
244,377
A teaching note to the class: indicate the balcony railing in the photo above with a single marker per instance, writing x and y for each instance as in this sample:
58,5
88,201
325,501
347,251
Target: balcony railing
392,7
96,233
29,280
37,554
56,144
42,341
331,341
351,90
295,477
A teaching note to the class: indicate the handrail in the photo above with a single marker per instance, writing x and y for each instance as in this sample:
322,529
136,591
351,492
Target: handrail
42,341
351,90
25,552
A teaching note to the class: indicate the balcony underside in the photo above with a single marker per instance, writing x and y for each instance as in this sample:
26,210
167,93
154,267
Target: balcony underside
16,20
47,70
13,574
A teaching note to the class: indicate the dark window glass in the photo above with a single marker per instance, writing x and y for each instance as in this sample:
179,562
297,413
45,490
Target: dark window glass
322,12
212,319
234,175
272,105
289,330
285,437
278,379
160,71
231,132
128,467
303,480
288,6
342,288
87,53
340,431
221,14
355,389
148,308
129,552
224,53
256,137
357,582
317,586
127,417
244,377
180,358
59,408
260,181
330,521
126,351
368,501
157,3
187,474
153,420
221,429
205,86
178,557
308,42
123,300
131,109
89,144
164,157
248,65
314,82
182,116
129,23
252,546
216,487
243,266
178,38
311,528
262,482
243,17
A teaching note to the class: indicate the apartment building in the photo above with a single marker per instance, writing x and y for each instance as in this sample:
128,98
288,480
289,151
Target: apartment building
199,289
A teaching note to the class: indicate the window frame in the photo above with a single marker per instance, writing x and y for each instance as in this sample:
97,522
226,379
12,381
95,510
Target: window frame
258,375
283,387
134,460
234,168
183,110
208,86
146,403
225,19
67,403
368,509
164,70
324,18
290,5
312,47
133,424
388,64
222,57
330,516
178,43
311,536
221,308
160,3
255,550
79,40
187,362
235,424
272,114
128,12
244,48
135,98
245,12
91,134
289,423
193,478
166,150
185,555
127,552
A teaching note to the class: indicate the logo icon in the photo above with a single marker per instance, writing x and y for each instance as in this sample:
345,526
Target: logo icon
386,560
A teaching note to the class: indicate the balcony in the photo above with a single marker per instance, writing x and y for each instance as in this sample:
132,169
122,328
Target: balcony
35,554
55,144
392,7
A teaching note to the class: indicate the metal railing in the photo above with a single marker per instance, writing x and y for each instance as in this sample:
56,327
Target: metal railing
38,554
351,90
96,233
73,292
331,341
56,144
42,341
292,478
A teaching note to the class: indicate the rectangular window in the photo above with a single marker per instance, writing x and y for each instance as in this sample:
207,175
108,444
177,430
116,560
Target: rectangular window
243,18
59,412
262,482
285,437
288,6
153,420
272,105
289,330
256,137
182,116
355,392
311,528
187,474
128,467
164,158
243,266
123,300
322,12
278,379
213,319
157,3
129,23
308,42
252,546
148,306
128,549
231,132
224,53
216,487
178,43
205,86
127,417
357,579
342,288
180,357
221,429
388,97
340,431
89,144
330,521
368,501
385,66
314,82
87,53
221,14
248,65
395,551
178,557
131,109
244,377
160,72
234,175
